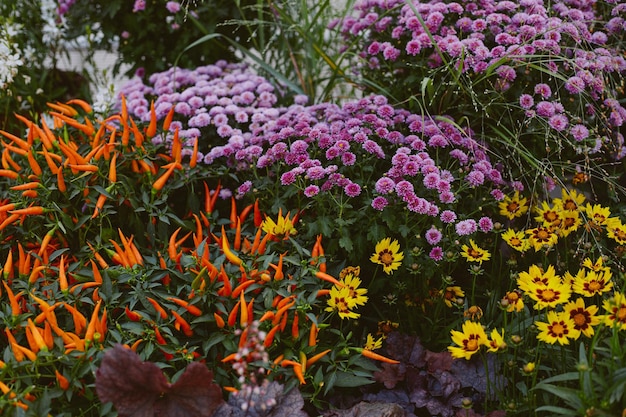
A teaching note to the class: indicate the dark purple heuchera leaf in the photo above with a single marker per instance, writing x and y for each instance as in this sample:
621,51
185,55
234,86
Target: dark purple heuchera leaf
390,374
139,389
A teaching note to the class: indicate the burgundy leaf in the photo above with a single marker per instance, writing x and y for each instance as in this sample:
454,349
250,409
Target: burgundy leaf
194,394
438,362
131,385
139,389
390,374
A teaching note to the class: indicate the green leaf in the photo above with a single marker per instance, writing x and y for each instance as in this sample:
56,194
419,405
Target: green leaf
558,410
345,379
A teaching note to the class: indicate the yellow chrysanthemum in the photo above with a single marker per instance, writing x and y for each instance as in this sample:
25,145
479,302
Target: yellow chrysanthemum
339,300
373,344
513,207
559,327
593,283
616,311
496,341
468,341
584,318
474,254
281,229
516,240
387,254
541,237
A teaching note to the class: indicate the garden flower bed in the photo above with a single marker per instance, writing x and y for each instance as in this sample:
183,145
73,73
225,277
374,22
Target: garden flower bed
221,244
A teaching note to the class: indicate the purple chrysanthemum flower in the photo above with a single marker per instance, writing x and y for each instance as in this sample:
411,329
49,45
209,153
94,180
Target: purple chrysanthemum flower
433,236
379,203
543,90
545,109
448,216
352,189
311,190
579,132
172,6
384,185
526,101
558,122
288,178
575,85
436,254
485,224
466,227
244,188
475,178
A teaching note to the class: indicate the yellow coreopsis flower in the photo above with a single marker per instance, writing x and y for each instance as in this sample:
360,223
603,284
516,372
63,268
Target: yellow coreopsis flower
570,222
597,266
387,254
593,283
513,207
357,294
536,276
548,216
559,327
373,344
541,237
453,295
339,300
512,300
616,311
596,215
584,318
474,254
571,200
496,341
616,230
468,341
281,229
516,240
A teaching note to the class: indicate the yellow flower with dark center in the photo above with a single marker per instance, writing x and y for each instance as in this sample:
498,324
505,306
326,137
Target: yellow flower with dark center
473,313
512,300
339,300
453,295
593,283
357,294
548,216
584,318
596,215
570,222
616,230
387,254
516,240
353,270
385,327
546,293
496,341
597,266
616,311
474,254
559,327
570,200
468,341
281,229
513,207
373,344
536,276
541,237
